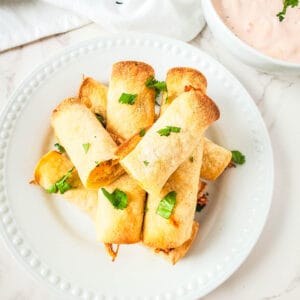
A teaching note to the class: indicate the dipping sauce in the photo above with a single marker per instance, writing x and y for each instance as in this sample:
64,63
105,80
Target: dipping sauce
255,22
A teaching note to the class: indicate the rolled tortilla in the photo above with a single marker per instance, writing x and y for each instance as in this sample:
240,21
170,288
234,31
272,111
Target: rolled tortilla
93,94
175,254
192,112
116,226
130,77
177,80
175,231
124,226
215,160
162,233
51,168
88,144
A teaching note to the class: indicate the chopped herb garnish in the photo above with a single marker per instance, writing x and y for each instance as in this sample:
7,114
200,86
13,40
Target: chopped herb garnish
86,147
158,86
142,132
191,159
238,157
97,163
59,148
128,98
199,207
286,4
52,189
201,202
100,118
146,163
117,198
167,98
61,185
167,130
166,205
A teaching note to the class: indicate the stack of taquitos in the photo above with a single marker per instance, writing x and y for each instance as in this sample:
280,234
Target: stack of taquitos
163,168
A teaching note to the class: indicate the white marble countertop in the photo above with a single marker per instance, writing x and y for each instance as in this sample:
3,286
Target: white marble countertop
272,271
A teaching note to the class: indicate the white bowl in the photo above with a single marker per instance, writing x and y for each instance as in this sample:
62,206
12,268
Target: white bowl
240,49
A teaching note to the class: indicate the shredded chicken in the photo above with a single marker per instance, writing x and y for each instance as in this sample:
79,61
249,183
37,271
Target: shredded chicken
187,88
111,252
203,199
231,165
202,196
201,189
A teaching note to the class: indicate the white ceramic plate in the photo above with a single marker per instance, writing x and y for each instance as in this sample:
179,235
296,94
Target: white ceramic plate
56,243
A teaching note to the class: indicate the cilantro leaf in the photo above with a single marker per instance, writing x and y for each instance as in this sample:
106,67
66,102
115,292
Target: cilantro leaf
117,198
199,207
158,86
238,157
61,185
128,98
100,118
86,147
146,163
167,130
142,132
59,148
52,189
286,4
166,205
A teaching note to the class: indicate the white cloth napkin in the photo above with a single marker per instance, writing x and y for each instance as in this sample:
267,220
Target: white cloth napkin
24,21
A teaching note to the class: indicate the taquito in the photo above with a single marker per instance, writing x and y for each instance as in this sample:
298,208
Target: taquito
93,94
179,79
172,232
215,160
52,167
161,151
169,233
117,226
175,254
124,119
121,226
88,144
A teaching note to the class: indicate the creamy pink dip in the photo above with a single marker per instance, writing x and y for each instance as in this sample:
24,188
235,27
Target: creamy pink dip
255,22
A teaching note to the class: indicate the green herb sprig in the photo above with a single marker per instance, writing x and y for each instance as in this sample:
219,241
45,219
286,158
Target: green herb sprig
238,157
166,205
101,119
117,198
86,147
167,130
286,4
158,86
142,132
59,148
61,185
128,98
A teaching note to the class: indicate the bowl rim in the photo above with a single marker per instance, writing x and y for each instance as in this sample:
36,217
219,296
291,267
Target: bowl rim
253,51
